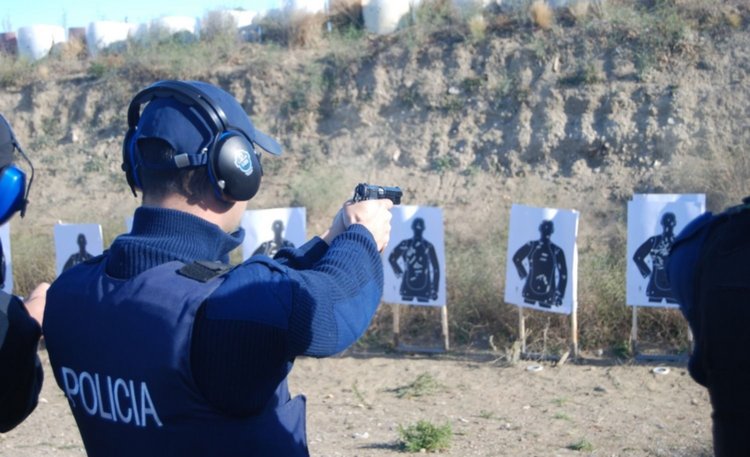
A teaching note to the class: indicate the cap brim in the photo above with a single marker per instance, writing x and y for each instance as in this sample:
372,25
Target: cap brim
267,143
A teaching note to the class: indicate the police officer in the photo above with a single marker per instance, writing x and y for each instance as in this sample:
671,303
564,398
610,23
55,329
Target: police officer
163,349
710,275
20,323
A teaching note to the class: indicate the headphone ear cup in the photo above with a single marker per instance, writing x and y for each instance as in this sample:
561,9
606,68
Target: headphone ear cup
234,167
12,192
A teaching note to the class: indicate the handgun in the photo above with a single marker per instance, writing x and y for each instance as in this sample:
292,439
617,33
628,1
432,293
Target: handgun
365,191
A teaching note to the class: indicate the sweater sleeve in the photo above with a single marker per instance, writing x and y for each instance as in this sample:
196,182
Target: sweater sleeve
333,303
303,257
20,370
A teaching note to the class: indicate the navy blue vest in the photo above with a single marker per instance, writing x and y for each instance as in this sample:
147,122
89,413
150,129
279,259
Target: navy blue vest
120,351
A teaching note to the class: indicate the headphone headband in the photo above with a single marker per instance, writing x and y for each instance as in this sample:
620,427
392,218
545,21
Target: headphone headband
184,93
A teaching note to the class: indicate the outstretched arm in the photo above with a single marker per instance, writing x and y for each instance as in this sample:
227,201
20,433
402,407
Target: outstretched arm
267,312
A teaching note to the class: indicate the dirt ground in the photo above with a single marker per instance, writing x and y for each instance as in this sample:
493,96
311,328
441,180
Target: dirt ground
354,408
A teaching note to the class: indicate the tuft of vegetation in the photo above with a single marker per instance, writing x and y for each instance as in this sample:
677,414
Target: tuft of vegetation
15,72
622,350
425,437
585,75
424,385
582,445
477,26
485,414
444,163
360,397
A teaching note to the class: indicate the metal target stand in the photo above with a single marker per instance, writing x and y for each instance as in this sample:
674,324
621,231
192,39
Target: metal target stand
398,344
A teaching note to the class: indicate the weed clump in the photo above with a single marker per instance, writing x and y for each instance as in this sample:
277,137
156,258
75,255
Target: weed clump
425,436
425,384
582,445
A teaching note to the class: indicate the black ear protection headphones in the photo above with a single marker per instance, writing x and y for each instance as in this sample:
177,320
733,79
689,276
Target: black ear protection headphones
234,167
14,194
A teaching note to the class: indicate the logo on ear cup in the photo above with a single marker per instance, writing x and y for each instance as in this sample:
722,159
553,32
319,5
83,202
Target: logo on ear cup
243,162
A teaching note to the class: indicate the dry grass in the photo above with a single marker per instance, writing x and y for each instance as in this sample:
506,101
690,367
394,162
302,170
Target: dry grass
346,13
579,10
306,30
542,15
477,28
217,25
733,18
73,49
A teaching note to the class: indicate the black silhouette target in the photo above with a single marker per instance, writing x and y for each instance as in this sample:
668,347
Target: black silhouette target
540,271
414,260
654,220
76,243
267,231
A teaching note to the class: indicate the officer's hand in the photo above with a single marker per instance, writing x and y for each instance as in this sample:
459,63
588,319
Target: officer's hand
337,226
375,215
36,301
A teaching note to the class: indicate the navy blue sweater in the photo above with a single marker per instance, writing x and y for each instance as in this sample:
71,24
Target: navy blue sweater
315,300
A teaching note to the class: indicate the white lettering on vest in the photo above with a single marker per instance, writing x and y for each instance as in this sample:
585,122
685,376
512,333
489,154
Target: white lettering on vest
70,381
147,406
83,380
126,403
120,384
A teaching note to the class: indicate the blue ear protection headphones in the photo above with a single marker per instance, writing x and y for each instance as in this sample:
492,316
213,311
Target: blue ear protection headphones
233,164
13,191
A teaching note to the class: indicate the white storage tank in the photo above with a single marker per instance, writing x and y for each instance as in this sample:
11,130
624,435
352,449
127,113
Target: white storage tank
242,18
383,16
101,34
176,24
35,41
472,4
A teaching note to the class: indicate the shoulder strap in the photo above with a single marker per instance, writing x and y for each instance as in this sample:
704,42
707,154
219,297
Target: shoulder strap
204,270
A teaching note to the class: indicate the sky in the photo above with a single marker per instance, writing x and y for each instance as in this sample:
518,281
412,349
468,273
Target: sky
78,13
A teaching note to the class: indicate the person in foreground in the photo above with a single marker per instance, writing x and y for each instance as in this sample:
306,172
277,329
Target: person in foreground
162,348
710,275
21,373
